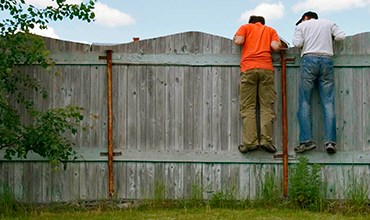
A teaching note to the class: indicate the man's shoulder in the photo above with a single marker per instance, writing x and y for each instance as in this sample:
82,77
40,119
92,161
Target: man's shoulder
245,26
314,23
323,20
271,29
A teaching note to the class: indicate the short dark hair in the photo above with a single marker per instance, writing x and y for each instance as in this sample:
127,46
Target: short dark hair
254,19
309,15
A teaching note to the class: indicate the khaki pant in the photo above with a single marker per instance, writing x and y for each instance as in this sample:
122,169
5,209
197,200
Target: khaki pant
257,85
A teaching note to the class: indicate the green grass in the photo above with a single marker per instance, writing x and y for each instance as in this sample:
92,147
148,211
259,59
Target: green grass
193,213
170,209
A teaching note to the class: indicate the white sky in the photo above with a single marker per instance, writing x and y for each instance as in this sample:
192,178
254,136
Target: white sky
118,21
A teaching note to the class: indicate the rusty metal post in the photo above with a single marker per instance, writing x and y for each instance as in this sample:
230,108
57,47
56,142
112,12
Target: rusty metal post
110,153
284,123
110,123
108,57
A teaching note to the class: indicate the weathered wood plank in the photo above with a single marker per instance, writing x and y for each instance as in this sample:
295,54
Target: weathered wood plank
207,156
142,94
366,111
198,108
230,180
245,181
132,176
235,119
120,106
192,177
17,181
179,108
96,110
206,122
132,108
225,106
189,81
293,79
159,180
57,181
216,111
211,180
102,181
277,123
189,59
120,180
174,181
170,110
349,94
150,108
159,108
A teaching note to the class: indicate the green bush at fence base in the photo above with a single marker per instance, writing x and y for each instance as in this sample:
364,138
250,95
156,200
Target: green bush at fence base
306,191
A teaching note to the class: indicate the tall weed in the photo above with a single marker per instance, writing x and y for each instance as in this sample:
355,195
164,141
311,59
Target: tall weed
8,205
307,189
224,199
357,193
269,193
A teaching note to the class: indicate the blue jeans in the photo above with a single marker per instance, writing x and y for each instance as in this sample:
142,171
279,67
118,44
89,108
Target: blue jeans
316,70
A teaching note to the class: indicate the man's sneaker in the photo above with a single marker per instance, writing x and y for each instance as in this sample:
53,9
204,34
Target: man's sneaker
246,149
302,147
269,148
330,148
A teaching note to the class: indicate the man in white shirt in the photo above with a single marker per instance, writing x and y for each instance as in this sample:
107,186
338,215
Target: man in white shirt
315,36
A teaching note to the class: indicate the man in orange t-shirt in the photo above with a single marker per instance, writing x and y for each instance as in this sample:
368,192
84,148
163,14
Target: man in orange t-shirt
257,83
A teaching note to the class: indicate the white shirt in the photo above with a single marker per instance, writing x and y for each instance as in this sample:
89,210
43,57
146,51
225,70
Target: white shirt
316,36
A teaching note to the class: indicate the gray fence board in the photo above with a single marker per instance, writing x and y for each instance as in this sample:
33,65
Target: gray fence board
179,108
366,112
198,107
159,113
170,108
207,109
235,122
188,108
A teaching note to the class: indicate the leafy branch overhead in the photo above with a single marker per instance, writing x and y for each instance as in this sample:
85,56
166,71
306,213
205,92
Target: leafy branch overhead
45,132
24,17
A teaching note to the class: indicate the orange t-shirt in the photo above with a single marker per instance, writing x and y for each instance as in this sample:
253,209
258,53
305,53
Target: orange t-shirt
256,52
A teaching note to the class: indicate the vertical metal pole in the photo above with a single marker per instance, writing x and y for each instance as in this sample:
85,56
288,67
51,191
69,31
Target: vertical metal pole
284,123
110,123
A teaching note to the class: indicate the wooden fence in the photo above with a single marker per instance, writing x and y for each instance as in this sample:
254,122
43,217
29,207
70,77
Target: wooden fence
176,123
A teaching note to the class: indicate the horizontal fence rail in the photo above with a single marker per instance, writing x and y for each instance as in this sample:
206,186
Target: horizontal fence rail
205,60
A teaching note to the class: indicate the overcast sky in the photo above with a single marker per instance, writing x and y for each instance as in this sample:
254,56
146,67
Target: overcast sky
118,21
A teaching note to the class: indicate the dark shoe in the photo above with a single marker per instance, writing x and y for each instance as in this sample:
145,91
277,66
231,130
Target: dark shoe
246,149
330,148
305,147
269,148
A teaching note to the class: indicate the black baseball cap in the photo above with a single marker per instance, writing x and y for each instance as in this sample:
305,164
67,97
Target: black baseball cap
310,14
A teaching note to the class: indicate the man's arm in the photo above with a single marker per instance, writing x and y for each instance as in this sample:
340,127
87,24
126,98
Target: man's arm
298,38
238,40
337,33
276,45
